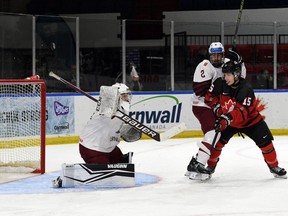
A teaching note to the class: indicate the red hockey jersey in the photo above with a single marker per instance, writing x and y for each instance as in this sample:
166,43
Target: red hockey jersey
239,101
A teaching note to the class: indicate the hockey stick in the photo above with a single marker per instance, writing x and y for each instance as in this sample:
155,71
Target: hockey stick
238,23
127,119
214,141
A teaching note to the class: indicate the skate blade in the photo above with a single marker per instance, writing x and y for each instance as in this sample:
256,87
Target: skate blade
206,177
278,176
199,176
187,173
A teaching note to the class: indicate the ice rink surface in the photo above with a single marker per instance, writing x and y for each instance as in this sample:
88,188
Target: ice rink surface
241,185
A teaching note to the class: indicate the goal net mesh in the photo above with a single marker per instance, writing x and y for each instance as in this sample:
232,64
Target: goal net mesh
22,126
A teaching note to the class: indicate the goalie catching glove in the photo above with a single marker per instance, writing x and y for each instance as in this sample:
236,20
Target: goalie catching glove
129,133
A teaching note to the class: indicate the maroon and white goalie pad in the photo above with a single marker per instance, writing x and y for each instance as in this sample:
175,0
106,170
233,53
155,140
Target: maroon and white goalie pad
102,175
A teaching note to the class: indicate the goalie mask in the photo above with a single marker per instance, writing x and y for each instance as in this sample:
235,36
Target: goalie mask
125,96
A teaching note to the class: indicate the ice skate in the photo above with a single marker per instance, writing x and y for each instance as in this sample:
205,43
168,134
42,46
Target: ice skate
191,168
57,183
278,172
197,171
211,169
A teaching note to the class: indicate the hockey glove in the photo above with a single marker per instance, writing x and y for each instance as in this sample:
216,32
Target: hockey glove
234,56
217,109
130,134
222,122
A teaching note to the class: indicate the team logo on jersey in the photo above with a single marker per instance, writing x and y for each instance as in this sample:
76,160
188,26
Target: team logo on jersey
228,106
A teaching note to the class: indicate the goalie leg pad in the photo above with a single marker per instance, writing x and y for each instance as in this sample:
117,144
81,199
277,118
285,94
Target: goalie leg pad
102,175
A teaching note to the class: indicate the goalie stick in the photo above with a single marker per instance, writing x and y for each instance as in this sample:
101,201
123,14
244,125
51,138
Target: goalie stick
127,119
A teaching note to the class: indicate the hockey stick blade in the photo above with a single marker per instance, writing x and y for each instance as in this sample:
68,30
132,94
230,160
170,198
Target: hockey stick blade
172,131
124,117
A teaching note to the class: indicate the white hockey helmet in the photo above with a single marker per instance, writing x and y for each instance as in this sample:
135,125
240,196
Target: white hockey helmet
216,47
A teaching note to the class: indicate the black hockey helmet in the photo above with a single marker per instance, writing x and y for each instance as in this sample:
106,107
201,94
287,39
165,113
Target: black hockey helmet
231,67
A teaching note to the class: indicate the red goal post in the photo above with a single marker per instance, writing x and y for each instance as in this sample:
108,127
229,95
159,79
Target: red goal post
23,124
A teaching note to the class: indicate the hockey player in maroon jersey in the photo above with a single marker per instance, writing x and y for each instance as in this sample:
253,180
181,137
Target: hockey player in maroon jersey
101,135
206,72
234,102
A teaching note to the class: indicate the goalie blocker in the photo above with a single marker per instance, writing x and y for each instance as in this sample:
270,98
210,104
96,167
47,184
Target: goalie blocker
101,175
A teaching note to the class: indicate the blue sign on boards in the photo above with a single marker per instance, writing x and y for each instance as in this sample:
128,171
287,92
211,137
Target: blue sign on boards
60,115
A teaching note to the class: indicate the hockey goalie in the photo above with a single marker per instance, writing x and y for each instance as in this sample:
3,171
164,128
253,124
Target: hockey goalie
105,164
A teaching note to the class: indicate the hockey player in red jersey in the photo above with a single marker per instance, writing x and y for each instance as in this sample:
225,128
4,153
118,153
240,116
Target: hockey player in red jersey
206,72
234,102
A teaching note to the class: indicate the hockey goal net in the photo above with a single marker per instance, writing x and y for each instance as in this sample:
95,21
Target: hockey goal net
22,123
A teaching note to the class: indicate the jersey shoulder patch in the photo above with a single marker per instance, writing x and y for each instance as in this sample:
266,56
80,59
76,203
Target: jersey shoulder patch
205,62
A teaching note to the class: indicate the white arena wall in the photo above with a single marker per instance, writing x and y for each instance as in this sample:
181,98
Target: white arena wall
159,110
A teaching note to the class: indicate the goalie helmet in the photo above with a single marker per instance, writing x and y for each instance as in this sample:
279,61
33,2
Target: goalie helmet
122,88
125,96
216,48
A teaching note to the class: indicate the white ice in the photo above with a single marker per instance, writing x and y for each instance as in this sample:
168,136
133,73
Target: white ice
241,185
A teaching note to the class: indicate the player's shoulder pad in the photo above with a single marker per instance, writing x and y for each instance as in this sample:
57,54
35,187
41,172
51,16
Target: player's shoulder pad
245,90
204,63
218,83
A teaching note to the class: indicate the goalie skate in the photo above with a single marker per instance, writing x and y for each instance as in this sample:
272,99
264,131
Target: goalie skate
57,183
